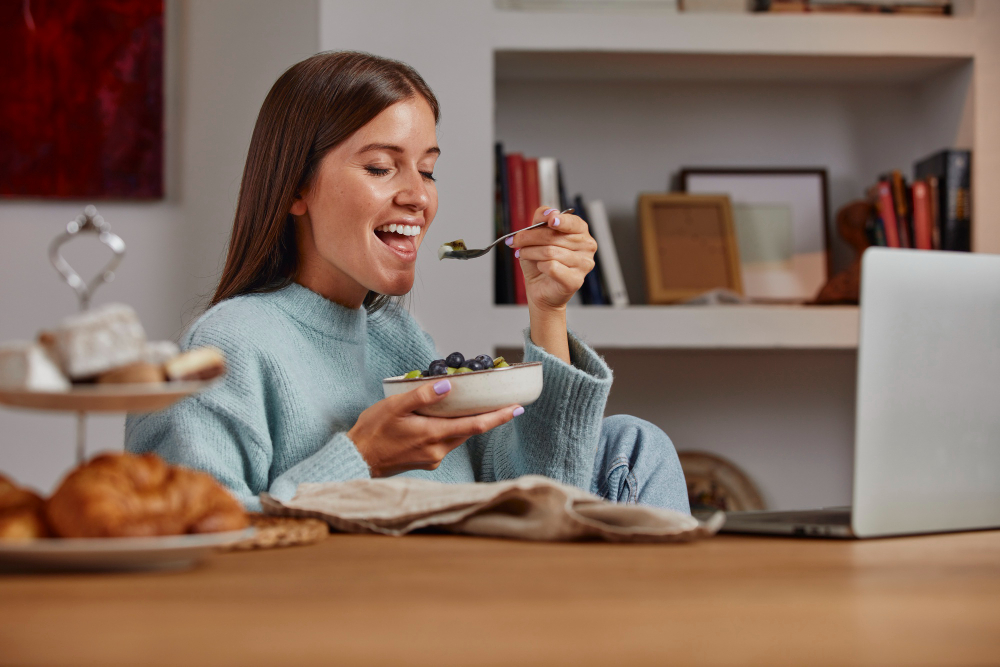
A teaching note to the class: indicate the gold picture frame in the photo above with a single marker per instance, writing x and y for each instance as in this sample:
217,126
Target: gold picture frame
689,246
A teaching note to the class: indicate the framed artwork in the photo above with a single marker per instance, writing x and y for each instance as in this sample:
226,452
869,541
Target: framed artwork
689,246
782,226
82,90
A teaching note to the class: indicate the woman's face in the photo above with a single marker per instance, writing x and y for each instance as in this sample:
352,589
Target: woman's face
360,222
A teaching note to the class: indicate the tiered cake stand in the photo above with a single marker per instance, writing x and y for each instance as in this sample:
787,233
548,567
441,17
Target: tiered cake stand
85,398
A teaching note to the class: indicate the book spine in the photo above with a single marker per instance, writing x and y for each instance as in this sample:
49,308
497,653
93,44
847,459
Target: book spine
515,176
901,200
503,280
887,213
548,183
952,169
959,212
611,269
922,235
590,291
935,211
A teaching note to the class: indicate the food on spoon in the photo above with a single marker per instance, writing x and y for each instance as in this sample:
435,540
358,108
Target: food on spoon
413,374
123,495
98,340
446,248
22,513
474,365
455,360
486,360
30,367
137,373
200,363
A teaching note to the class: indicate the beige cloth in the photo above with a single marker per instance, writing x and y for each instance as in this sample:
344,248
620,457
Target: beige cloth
527,508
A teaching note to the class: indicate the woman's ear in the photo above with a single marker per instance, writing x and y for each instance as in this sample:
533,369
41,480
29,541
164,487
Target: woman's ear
298,206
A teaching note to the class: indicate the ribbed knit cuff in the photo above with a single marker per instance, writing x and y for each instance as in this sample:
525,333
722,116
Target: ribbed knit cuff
337,461
570,409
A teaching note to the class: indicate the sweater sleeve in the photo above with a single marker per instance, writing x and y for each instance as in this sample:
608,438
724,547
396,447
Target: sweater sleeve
557,435
225,432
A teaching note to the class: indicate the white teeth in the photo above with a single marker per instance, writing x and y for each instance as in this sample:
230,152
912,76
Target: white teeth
405,230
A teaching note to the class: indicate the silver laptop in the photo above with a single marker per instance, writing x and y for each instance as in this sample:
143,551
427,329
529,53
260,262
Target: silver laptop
927,437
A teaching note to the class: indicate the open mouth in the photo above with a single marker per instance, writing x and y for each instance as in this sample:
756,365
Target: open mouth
401,238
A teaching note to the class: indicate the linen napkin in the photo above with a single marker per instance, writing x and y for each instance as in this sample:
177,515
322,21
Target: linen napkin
527,508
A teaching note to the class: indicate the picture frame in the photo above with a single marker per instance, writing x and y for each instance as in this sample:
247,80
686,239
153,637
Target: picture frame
782,223
689,246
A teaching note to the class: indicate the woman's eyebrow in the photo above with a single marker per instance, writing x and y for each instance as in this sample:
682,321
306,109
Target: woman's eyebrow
394,148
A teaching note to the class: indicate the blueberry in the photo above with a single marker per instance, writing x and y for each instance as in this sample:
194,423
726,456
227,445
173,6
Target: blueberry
475,365
455,360
437,367
486,360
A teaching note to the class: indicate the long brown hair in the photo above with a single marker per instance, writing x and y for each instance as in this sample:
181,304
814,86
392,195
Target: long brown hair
314,106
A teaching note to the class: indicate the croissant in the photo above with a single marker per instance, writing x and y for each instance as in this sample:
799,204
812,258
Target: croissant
124,495
22,513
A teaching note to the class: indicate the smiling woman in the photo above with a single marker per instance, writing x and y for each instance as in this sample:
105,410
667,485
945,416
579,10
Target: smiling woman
336,199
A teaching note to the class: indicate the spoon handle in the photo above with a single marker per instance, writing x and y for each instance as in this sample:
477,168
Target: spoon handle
534,226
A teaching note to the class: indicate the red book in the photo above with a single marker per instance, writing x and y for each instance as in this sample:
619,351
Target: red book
886,210
922,217
532,200
515,176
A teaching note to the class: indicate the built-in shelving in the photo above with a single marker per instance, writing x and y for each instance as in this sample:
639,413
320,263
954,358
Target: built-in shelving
698,327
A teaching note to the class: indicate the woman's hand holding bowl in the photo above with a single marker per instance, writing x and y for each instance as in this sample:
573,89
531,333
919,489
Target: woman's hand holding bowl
393,439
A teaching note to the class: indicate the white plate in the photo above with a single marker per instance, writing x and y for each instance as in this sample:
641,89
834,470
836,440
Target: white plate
115,553
147,397
477,392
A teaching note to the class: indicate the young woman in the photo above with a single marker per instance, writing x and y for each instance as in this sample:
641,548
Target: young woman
343,149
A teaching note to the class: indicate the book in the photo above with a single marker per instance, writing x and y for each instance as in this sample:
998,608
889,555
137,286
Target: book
952,168
901,201
590,291
887,213
503,279
516,204
548,183
922,234
611,271
531,199
932,195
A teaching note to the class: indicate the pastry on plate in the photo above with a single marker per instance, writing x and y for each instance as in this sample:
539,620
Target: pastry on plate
22,513
139,372
124,495
94,341
29,367
200,363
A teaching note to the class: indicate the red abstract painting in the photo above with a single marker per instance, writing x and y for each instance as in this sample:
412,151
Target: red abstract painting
81,98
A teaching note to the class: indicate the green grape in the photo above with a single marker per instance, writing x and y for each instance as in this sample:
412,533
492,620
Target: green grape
498,361
412,374
452,371
463,369
502,364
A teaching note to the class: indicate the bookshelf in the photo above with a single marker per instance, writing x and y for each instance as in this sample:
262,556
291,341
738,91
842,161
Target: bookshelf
856,94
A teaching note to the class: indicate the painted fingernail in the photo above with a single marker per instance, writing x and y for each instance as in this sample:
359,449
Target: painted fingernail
548,210
442,387
555,222
517,253
518,411
510,240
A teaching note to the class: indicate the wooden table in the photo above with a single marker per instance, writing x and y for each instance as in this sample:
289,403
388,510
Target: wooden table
448,600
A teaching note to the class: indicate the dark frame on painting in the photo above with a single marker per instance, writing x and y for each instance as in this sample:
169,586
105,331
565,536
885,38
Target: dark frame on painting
806,185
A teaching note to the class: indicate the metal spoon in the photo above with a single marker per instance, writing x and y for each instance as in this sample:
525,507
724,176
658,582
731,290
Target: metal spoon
457,249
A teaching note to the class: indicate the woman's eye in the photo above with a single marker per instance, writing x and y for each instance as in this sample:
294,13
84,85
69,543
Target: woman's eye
376,171
428,175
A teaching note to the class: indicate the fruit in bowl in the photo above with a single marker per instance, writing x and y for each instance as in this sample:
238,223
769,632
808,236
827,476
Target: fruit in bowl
478,385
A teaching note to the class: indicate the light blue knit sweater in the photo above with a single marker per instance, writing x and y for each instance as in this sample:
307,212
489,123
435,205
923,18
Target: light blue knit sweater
301,371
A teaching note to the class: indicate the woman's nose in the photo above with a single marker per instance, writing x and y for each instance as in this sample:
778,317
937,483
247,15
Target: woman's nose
414,193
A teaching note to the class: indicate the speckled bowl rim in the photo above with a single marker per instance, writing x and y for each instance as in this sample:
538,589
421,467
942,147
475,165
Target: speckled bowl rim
400,378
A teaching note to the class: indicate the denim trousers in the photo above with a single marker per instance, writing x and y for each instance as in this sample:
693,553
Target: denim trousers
637,463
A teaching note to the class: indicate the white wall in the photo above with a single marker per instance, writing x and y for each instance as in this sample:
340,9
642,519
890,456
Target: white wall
221,58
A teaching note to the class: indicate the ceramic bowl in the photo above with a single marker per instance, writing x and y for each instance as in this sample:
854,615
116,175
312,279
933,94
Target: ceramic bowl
477,392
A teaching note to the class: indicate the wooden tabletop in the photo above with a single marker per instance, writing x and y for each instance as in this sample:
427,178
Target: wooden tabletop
441,600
